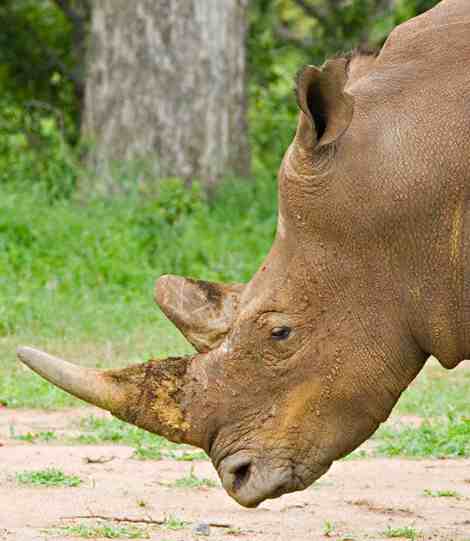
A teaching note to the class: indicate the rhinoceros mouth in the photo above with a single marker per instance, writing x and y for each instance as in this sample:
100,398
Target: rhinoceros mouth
251,481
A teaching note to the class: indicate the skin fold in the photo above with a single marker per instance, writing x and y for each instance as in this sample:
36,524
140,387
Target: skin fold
366,278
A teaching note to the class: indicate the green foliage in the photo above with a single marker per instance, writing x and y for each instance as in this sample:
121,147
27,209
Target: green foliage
441,399
273,65
193,481
95,430
42,51
190,456
174,523
156,452
33,150
50,477
406,532
37,60
438,437
442,493
102,530
41,67
19,388
328,528
284,36
437,392
33,437
148,453
75,274
62,258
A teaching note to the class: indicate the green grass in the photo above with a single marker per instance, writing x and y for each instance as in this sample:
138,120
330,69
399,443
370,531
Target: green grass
442,493
50,477
78,279
95,430
188,456
148,453
406,533
328,528
192,481
33,437
440,399
437,438
104,530
175,523
437,392
156,452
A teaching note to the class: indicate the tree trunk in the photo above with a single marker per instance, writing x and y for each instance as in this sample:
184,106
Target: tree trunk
166,84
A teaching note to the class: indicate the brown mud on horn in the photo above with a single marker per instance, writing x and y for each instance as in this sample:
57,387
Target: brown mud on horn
157,396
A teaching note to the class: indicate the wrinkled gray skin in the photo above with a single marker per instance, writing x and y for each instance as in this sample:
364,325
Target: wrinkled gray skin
368,273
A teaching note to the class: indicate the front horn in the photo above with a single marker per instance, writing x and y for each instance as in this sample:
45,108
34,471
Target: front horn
157,396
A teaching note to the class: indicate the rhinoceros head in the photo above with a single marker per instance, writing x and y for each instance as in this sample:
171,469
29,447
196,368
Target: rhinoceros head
299,366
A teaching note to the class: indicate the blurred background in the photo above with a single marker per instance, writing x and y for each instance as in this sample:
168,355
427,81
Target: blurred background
142,138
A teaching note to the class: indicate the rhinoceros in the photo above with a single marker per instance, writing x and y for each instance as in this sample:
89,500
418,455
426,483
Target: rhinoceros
368,276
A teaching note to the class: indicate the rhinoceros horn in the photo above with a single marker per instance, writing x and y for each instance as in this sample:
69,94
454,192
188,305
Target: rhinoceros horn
161,396
157,396
202,311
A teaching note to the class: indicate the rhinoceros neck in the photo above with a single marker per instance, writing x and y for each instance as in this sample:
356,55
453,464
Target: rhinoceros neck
439,284
418,141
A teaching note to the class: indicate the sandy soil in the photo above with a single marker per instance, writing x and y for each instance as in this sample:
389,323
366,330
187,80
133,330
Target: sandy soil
360,499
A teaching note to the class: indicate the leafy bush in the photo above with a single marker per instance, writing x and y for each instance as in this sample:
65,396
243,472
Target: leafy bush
33,150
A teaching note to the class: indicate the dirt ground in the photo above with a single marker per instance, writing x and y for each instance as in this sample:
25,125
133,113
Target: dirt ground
357,500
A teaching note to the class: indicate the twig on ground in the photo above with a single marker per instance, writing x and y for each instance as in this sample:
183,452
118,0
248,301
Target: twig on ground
157,522
98,460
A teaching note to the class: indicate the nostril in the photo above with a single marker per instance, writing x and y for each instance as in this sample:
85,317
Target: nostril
241,475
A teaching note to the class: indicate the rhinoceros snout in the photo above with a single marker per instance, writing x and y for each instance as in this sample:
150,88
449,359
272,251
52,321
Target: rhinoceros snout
250,482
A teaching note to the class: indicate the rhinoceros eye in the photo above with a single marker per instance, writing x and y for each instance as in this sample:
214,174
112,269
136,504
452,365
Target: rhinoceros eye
280,333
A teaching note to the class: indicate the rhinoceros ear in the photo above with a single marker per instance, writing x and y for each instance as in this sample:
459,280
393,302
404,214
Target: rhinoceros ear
327,110
202,311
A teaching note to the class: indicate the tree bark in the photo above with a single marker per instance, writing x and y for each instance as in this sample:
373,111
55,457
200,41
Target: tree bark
166,84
